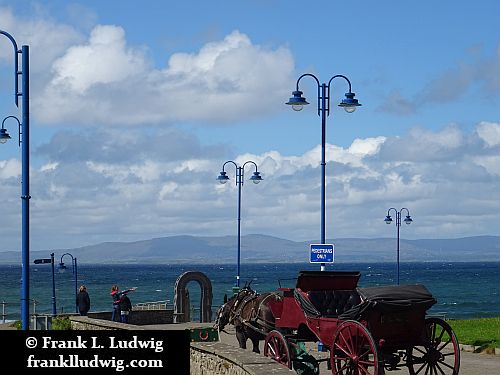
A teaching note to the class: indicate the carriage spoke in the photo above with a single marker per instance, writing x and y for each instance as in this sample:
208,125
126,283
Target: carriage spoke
364,370
365,353
420,350
420,369
447,365
345,342
444,345
342,349
440,370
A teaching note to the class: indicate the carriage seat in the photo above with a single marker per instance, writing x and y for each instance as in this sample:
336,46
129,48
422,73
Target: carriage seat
332,303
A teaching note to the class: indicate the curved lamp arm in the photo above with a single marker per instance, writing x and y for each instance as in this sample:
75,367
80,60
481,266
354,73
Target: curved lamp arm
229,161
16,66
3,132
62,267
340,76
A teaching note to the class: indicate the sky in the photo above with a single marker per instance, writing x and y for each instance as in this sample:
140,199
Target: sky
135,108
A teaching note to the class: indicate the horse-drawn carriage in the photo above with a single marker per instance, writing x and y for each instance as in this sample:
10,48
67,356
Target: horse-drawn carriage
365,330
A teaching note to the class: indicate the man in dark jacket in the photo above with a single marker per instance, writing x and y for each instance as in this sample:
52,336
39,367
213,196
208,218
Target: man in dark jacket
125,308
83,301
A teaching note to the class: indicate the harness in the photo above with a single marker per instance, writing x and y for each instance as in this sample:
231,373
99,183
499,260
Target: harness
254,319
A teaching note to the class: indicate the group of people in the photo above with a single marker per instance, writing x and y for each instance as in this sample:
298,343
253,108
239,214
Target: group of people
121,303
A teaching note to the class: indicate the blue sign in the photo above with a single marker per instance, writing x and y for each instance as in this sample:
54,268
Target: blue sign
321,253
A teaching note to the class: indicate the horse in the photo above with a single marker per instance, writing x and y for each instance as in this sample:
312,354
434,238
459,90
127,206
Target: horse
250,314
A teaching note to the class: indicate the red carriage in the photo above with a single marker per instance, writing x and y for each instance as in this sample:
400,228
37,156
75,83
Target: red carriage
366,330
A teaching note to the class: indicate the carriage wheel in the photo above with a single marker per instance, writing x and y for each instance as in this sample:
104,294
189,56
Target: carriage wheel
353,350
440,353
276,347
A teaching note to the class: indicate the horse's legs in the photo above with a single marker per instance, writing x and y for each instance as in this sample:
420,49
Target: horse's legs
242,339
255,343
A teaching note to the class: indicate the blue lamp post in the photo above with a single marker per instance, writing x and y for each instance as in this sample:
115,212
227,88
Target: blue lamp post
51,261
62,268
408,220
223,178
24,142
297,101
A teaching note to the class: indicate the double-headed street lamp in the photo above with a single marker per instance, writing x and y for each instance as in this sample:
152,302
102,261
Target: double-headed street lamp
51,261
223,178
297,101
408,220
24,142
62,268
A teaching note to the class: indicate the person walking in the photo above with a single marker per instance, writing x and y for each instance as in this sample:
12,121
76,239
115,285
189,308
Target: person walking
83,301
116,295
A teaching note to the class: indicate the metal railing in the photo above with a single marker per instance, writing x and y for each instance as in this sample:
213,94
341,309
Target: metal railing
155,305
5,315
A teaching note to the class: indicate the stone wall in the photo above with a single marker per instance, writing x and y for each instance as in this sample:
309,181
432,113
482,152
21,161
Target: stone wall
140,317
208,358
216,358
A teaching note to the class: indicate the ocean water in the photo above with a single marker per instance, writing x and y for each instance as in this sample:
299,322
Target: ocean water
463,290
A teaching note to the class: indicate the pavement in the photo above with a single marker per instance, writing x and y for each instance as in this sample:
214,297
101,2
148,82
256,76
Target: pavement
470,363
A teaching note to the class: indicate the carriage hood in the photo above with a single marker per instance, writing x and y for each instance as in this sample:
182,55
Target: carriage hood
393,298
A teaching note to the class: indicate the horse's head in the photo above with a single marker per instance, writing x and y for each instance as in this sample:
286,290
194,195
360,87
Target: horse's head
225,313
222,317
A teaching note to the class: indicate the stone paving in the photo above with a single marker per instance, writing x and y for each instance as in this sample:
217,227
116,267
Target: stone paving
470,363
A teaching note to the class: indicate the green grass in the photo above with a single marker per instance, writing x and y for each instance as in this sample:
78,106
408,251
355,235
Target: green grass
483,332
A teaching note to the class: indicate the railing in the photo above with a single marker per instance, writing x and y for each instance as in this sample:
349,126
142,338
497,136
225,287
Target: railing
5,314
156,305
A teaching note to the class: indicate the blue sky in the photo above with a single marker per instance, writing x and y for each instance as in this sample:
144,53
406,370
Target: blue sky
134,109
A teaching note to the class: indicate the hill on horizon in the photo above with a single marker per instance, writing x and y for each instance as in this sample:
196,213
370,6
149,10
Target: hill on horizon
256,248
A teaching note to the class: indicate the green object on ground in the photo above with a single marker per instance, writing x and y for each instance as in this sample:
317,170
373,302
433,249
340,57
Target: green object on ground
304,363
478,332
204,334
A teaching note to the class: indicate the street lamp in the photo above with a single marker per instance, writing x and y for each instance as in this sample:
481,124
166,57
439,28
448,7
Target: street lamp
408,220
24,142
50,260
223,178
297,101
62,268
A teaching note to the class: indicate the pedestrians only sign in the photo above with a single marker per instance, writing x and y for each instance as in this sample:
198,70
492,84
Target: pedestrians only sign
321,253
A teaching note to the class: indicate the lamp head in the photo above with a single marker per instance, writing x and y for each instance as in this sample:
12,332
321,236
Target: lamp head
297,101
256,178
349,103
4,136
61,268
223,178
388,219
408,220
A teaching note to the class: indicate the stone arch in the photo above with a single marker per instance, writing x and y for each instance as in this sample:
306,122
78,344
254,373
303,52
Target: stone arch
181,305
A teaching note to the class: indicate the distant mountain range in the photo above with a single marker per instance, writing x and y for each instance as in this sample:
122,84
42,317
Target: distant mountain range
257,248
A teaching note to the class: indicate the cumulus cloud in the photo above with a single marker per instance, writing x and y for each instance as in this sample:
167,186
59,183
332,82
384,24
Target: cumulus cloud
40,34
104,80
121,195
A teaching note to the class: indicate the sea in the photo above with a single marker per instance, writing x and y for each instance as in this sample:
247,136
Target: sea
463,290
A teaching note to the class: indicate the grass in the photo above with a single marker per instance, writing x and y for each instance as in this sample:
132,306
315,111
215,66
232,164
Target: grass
484,332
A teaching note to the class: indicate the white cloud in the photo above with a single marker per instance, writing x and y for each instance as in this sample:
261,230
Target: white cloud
104,59
106,81
136,198
489,132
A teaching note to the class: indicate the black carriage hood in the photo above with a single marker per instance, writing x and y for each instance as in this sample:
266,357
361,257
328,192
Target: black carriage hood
393,298
398,294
